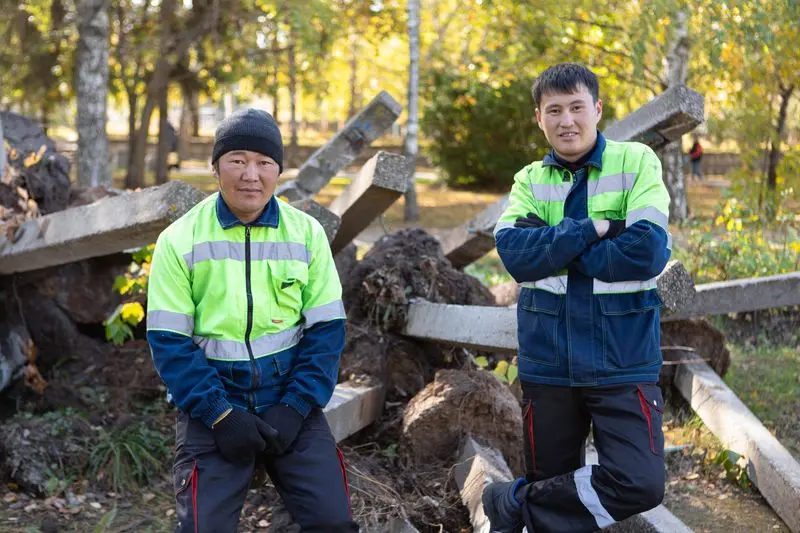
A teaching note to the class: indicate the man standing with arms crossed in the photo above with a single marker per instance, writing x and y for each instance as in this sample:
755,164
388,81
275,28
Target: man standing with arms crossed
246,327
585,234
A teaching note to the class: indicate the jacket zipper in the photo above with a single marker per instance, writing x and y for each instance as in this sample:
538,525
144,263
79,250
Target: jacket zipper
248,286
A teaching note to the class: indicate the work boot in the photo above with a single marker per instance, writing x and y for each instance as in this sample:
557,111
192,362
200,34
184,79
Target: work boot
502,507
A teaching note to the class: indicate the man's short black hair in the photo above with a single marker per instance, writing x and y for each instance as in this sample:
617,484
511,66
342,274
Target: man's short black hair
565,78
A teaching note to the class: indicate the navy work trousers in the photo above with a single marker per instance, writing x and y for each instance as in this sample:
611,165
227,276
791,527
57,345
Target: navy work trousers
565,495
310,477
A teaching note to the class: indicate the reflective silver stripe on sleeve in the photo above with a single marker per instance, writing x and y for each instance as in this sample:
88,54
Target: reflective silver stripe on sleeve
550,192
501,226
554,284
589,497
669,241
613,183
259,251
647,213
177,322
226,350
622,287
323,313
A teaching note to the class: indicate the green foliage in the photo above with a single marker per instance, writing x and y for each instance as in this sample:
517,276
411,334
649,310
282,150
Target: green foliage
480,126
737,244
128,314
735,466
505,371
106,522
489,269
128,457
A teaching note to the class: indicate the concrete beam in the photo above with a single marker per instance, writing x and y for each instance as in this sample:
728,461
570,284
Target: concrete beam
750,294
495,328
770,466
104,227
477,467
663,119
330,221
471,241
381,181
369,124
353,408
480,465
487,328
676,111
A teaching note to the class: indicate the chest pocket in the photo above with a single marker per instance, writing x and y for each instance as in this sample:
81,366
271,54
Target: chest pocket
608,196
287,281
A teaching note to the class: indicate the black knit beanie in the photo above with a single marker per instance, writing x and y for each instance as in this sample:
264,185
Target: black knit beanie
249,129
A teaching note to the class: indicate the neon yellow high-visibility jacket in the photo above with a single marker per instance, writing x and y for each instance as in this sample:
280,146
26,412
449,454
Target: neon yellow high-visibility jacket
588,310
245,315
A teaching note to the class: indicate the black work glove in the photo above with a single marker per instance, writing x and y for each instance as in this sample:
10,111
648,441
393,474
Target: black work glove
615,227
287,421
531,221
240,435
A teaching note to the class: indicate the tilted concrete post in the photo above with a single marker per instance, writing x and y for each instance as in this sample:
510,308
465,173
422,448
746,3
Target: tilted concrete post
330,221
495,328
107,226
770,466
380,182
734,296
369,124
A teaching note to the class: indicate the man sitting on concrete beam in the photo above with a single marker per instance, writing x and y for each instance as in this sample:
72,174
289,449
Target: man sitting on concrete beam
585,233
246,326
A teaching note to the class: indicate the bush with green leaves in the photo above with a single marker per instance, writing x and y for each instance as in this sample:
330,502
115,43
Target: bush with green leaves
738,243
133,285
481,127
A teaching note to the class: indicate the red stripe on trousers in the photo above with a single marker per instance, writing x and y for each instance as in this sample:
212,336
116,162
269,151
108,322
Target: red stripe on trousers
646,411
529,421
195,480
344,477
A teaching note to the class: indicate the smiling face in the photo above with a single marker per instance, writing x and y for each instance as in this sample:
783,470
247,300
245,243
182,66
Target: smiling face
569,122
247,181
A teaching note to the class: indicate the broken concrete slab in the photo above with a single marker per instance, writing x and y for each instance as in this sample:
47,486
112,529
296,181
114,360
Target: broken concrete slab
330,221
750,294
471,241
369,124
771,468
105,227
669,115
381,181
495,328
477,467
663,119
352,408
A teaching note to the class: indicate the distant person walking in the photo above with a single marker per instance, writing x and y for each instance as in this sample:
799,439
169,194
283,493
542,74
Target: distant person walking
696,158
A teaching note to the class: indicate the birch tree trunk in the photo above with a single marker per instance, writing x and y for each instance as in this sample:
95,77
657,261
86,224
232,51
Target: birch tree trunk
410,148
672,154
92,92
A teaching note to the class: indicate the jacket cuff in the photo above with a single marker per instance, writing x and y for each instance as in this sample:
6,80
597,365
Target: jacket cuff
589,231
215,408
297,403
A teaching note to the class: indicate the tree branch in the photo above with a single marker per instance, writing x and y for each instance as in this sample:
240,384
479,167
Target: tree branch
611,27
618,53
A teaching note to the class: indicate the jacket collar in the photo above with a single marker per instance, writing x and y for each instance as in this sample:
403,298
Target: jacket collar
595,158
269,217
